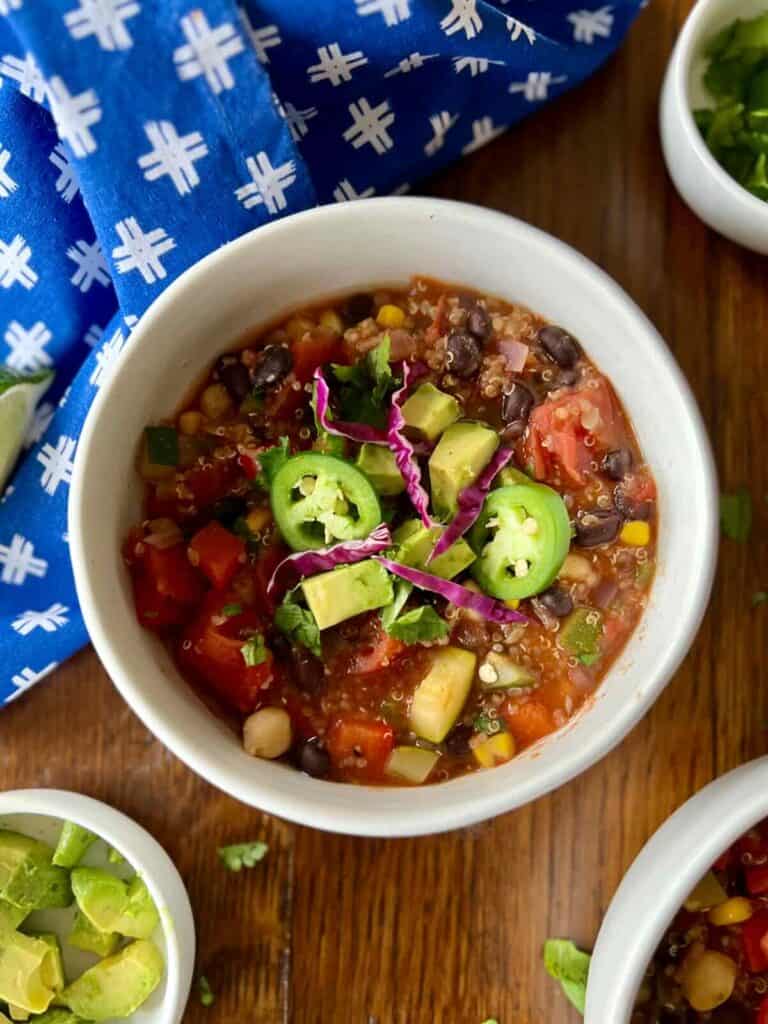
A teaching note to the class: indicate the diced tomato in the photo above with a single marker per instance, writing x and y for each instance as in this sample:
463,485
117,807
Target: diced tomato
248,466
754,934
169,572
527,720
360,746
640,487
373,657
217,552
212,650
757,880
762,1012
153,610
314,349
210,482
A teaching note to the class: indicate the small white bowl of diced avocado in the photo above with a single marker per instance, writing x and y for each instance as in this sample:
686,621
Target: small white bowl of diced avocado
95,922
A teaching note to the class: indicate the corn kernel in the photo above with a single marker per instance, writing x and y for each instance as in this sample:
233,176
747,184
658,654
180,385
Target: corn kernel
215,402
513,603
190,422
494,750
330,318
636,533
258,519
298,326
390,316
733,911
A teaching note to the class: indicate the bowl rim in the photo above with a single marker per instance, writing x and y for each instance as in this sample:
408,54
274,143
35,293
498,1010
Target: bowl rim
410,820
127,837
695,835
679,71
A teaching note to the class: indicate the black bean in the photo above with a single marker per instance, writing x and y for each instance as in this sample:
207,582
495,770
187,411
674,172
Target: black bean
567,378
227,510
600,526
235,378
276,363
618,463
559,346
516,404
358,307
557,601
479,322
464,355
457,742
313,759
309,673
629,507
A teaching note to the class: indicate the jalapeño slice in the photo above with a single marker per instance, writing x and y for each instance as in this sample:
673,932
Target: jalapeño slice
318,500
521,538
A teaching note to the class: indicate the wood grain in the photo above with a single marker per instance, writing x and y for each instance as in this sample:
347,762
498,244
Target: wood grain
449,929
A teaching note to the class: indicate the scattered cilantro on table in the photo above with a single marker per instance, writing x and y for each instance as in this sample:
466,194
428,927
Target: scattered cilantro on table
242,855
760,597
736,515
207,997
570,966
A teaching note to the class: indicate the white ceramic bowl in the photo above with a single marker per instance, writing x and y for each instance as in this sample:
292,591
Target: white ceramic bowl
710,191
339,249
40,812
659,881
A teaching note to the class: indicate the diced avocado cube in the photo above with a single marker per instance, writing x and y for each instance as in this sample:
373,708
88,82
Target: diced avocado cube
57,1015
461,454
139,917
27,877
415,542
442,693
411,764
118,985
86,936
73,843
10,917
25,968
379,465
430,411
53,967
18,1014
580,635
351,590
101,897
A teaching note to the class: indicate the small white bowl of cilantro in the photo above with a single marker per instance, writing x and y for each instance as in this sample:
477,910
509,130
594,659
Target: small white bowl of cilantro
95,922
714,118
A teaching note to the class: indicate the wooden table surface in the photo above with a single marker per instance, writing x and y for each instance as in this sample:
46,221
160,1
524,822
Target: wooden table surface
449,929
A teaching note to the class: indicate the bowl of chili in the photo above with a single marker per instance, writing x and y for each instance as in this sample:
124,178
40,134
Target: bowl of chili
686,935
498,466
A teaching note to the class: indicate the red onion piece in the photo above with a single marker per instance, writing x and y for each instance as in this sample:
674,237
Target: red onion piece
515,353
308,563
404,450
360,432
470,502
462,597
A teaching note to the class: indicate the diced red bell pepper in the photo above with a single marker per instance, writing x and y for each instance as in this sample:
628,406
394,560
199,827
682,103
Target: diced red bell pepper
211,481
757,880
152,609
360,747
762,1012
317,347
248,466
754,934
377,655
217,553
212,650
170,573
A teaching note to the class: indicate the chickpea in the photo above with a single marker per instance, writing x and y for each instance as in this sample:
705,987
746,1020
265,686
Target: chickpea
708,979
267,733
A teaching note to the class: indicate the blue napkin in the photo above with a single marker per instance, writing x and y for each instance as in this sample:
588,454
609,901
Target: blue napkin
138,135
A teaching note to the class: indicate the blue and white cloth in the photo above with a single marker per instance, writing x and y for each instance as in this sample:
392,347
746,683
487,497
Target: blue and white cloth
138,135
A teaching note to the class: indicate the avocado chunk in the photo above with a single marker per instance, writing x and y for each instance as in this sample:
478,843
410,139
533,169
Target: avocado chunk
415,542
118,985
73,843
27,877
380,466
57,1016
53,966
430,411
86,936
17,1013
111,905
10,917
351,590
580,635
27,966
462,453
442,693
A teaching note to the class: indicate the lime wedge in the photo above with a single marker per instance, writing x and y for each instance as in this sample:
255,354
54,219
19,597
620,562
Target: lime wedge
19,395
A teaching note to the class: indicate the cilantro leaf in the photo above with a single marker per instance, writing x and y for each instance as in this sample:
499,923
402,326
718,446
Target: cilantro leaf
736,515
761,597
366,386
419,625
379,369
299,625
390,613
253,651
207,998
242,855
568,965
327,443
271,461
231,610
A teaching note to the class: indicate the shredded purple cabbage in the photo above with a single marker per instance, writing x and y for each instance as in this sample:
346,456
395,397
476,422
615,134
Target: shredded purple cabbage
360,432
471,502
462,597
404,450
307,563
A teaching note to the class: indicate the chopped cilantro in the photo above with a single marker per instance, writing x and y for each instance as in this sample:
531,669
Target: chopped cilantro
568,965
242,855
115,857
365,387
207,998
253,651
232,609
298,624
736,515
419,626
